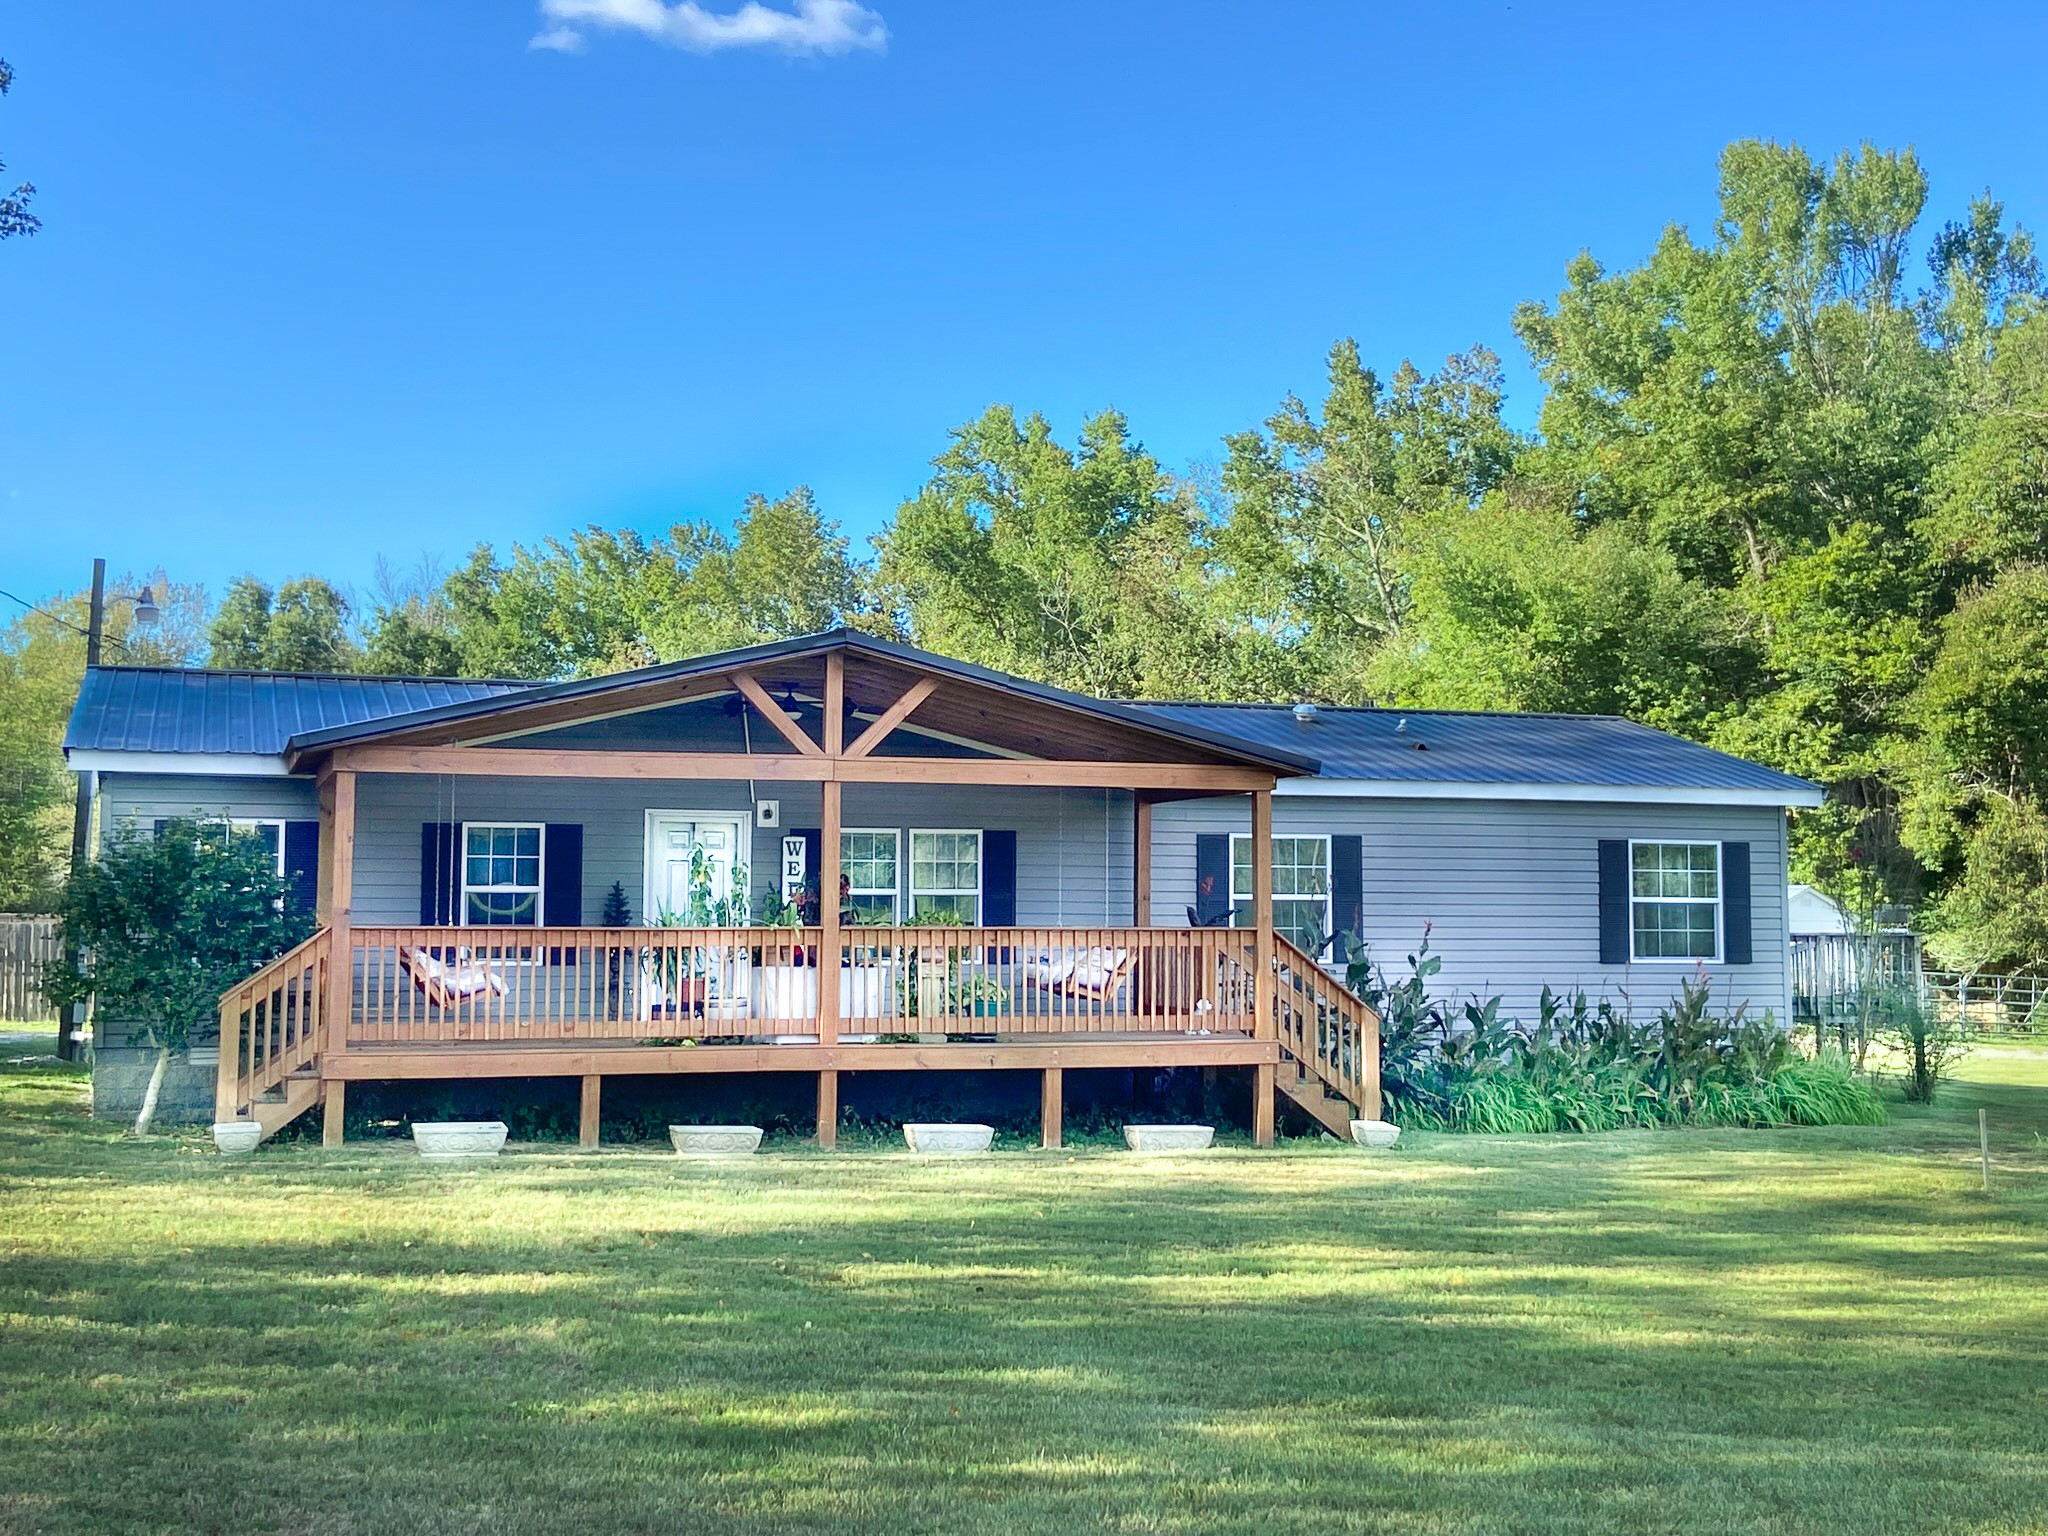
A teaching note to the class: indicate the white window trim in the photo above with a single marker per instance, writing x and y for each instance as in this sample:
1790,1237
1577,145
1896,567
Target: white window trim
895,893
1720,895
252,824
540,886
980,891
1329,877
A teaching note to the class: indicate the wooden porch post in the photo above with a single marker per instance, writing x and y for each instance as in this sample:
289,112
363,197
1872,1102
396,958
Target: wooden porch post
339,827
586,1127
1264,1026
828,917
332,1112
828,1109
829,823
1052,1107
1141,864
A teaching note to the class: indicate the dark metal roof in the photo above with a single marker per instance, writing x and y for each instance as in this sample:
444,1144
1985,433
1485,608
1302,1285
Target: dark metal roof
184,709
1289,758
1451,746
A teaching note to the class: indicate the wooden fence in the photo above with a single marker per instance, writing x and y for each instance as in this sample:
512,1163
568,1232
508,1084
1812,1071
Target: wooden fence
27,944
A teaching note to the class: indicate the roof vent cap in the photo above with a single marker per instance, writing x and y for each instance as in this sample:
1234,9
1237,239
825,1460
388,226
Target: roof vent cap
1305,712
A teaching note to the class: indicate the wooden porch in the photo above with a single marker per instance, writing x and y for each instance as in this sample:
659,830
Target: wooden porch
442,1003
375,1002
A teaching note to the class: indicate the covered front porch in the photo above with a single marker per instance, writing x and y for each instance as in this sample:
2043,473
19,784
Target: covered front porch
961,820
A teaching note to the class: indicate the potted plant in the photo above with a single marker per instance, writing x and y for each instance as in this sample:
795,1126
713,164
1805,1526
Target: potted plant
867,979
785,988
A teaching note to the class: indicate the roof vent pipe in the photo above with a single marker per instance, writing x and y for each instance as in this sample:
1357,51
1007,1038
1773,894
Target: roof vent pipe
1304,713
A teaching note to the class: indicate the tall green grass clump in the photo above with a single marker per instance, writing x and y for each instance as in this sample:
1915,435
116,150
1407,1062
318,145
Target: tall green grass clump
1586,1065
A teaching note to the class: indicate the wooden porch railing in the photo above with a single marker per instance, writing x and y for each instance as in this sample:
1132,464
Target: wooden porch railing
437,985
273,1024
1328,1029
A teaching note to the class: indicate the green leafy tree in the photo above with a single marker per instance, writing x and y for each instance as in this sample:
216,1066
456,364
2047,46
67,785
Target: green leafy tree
164,925
42,664
1080,566
301,627
1326,513
15,218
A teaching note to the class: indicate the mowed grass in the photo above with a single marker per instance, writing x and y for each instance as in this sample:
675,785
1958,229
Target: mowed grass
1794,1331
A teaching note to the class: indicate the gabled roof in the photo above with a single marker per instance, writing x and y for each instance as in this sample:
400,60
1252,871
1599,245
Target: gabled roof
190,711
1432,748
620,687
193,720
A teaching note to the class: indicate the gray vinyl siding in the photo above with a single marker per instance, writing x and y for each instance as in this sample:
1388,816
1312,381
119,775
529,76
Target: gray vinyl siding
1073,846
144,797
1511,888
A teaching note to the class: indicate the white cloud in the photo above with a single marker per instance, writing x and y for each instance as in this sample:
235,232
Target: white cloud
558,40
813,26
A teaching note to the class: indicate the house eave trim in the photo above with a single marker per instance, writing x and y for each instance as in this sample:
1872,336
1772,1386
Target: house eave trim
1604,794
251,765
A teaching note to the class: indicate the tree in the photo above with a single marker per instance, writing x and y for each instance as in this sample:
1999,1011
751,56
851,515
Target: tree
1325,514
165,924
1516,607
42,663
1080,567
15,219
301,627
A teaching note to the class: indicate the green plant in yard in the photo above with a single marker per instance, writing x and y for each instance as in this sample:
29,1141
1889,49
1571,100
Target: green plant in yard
1586,1064
1927,1045
164,924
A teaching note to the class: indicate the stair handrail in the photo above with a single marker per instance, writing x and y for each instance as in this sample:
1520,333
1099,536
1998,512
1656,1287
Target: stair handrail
1331,1032
272,1023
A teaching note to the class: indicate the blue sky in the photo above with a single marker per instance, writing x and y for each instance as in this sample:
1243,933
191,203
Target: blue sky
322,281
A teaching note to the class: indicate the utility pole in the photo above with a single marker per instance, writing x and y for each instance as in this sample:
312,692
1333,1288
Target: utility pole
81,810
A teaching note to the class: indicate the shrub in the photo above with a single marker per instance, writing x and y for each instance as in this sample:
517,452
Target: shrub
1587,1065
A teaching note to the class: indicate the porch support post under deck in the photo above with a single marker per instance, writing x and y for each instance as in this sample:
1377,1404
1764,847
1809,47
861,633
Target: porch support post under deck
332,1112
1262,1105
828,917
828,1108
1052,1107
1264,1024
586,1125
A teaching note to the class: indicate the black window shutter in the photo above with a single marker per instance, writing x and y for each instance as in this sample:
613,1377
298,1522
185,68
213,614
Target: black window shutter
1614,924
999,879
1212,878
1347,890
561,898
156,828
302,863
439,873
1735,922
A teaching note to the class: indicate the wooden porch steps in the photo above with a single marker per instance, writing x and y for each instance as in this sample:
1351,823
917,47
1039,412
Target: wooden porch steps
301,1091
1309,1096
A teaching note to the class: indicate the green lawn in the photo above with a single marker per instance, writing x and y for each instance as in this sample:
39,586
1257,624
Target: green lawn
1643,1332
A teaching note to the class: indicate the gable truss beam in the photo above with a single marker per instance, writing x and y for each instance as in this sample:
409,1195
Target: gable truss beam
892,717
776,715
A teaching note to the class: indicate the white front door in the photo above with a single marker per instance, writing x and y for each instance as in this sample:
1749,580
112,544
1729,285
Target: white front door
674,838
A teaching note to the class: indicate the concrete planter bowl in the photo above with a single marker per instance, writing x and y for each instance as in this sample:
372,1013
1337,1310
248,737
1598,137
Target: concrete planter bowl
941,1140
1169,1138
233,1137
453,1140
1377,1134
714,1140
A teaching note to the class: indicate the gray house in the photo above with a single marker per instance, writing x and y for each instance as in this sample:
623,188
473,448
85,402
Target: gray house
1026,878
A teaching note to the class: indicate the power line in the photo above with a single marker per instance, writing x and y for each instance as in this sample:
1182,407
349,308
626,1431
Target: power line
57,618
